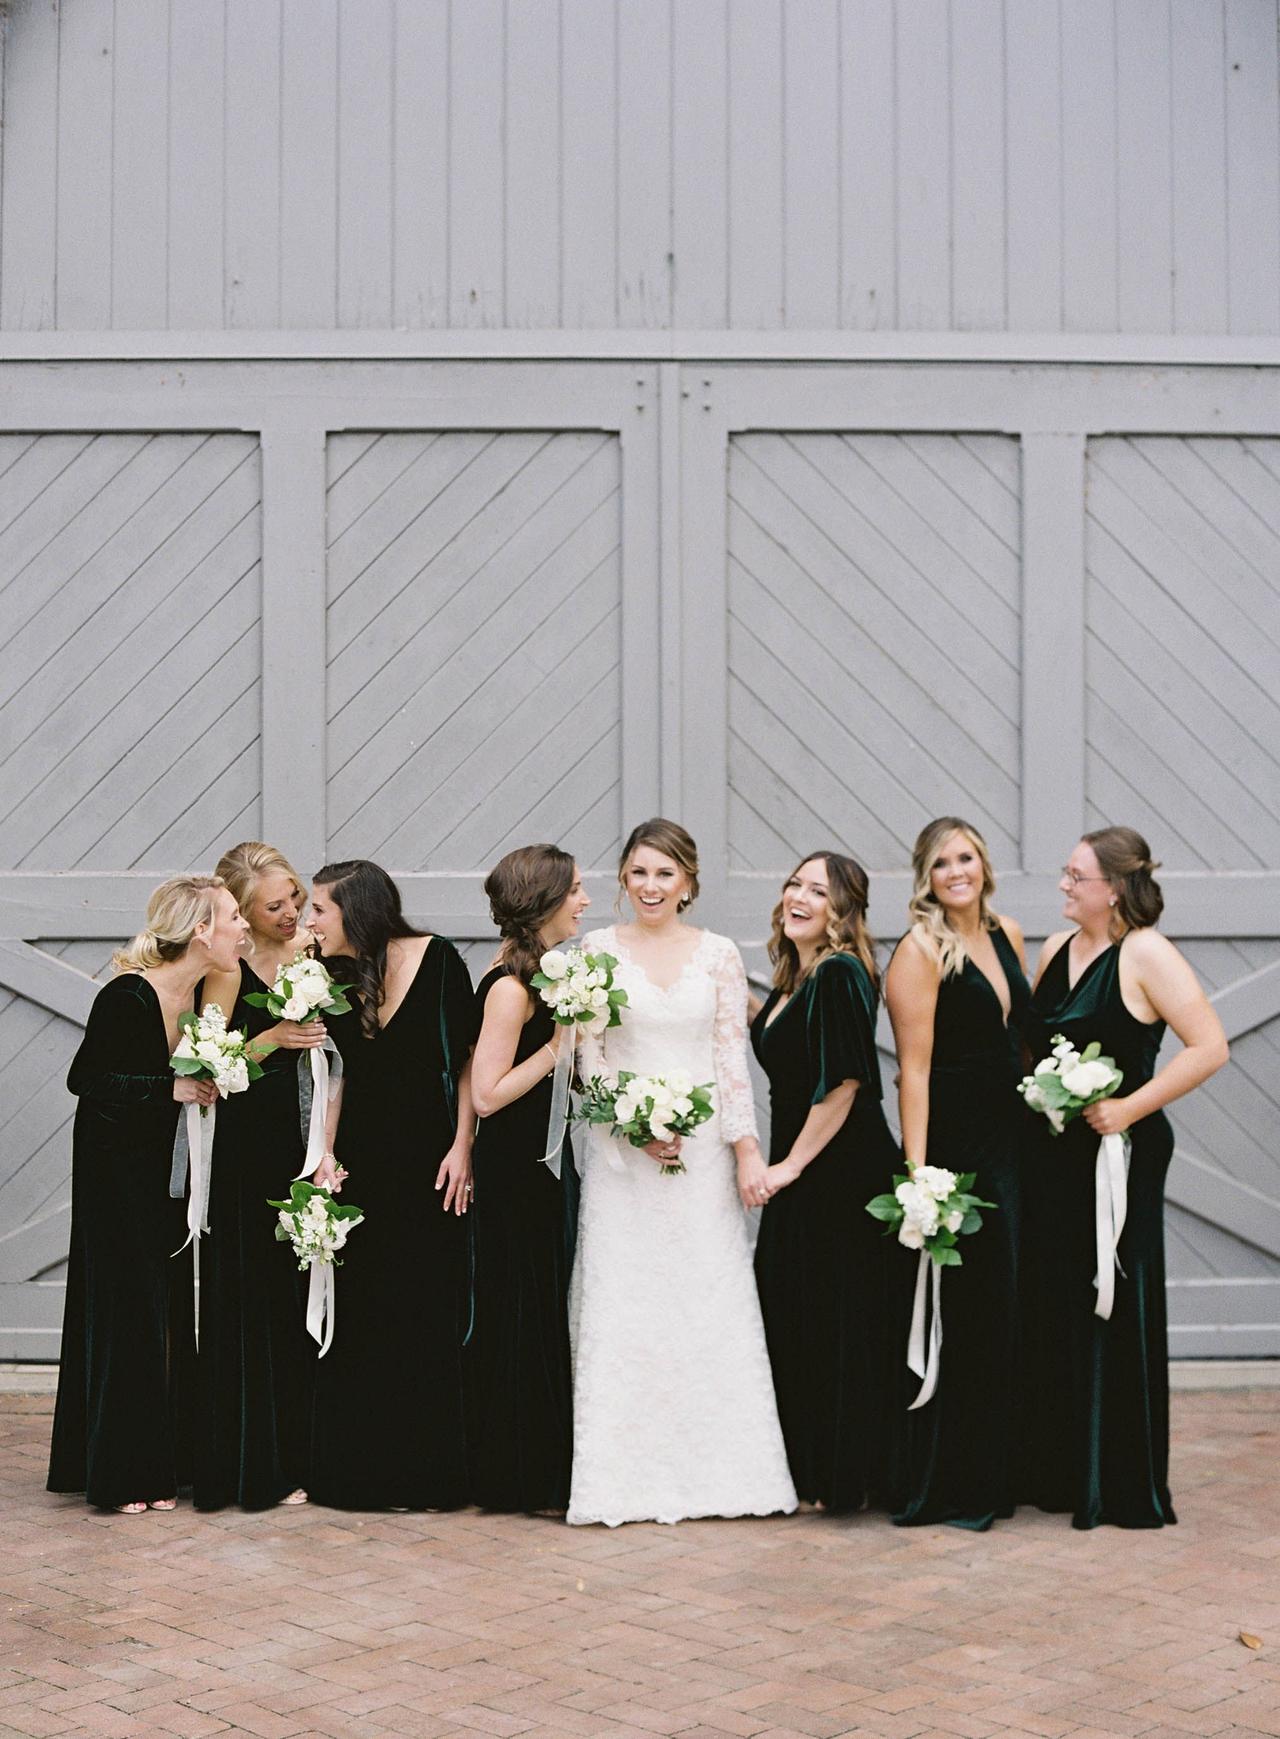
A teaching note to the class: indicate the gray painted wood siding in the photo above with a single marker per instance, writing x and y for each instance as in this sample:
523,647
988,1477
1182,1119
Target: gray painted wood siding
967,165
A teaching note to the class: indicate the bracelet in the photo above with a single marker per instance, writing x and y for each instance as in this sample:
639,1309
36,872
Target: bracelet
554,1058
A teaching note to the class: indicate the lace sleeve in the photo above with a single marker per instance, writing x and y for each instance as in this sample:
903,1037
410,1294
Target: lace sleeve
729,1044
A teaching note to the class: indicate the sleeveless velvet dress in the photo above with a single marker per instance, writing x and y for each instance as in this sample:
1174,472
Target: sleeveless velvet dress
822,1262
127,1349
256,1365
389,1430
1097,1393
959,1450
518,1362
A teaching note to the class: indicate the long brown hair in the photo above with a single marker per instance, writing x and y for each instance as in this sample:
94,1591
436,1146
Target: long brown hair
672,841
372,916
524,889
1124,857
847,932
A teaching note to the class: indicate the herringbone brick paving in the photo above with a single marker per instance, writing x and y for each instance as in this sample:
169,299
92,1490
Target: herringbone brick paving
311,1622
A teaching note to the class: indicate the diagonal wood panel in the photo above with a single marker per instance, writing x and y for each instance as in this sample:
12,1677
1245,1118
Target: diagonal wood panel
474,644
1183,613
874,641
131,675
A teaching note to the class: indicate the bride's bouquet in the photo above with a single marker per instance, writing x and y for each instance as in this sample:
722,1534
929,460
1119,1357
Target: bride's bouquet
579,990
1061,1087
316,1227
1064,1083
206,1050
646,1108
931,1209
302,992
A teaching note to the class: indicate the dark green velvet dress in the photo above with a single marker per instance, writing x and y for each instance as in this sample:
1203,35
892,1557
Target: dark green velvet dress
518,1363
960,1448
256,1366
388,1424
822,1263
127,1329
1097,1393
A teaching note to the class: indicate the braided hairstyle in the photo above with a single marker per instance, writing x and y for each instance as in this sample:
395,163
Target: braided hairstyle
524,889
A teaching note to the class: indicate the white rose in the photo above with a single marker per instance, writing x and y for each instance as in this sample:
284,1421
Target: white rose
661,1094
185,1047
659,1128
682,1105
296,1008
954,1220
679,1082
597,998
235,1077
935,1181
911,1236
624,1108
554,964
209,1051
1085,1079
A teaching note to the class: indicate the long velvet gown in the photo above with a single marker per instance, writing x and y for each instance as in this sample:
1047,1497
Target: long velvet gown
822,1262
389,1429
127,1334
519,1371
960,1448
1097,1393
256,1366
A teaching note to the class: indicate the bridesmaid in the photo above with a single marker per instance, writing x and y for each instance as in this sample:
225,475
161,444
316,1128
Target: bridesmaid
127,1326
257,1363
958,995
388,1430
1097,1393
821,1260
525,1219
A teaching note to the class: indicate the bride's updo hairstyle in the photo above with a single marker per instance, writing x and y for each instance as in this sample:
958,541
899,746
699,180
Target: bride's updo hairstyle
1124,857
672,841
372,916
847,932
173,912
244,866
524,889
929,923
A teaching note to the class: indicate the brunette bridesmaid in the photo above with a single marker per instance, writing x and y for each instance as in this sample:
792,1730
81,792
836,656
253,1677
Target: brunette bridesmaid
821,1261
127,1330
1097,1392
257,1362
525,1216
959,1000
388,1430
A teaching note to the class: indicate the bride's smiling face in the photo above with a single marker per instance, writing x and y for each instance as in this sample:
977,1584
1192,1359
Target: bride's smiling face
655,885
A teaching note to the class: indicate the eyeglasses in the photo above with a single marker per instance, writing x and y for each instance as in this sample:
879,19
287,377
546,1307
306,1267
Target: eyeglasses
1075,878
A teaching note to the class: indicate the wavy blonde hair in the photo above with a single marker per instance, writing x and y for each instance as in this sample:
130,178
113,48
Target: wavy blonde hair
173,912
244,865
847,932
929,923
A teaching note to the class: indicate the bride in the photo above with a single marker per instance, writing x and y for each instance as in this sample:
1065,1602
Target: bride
674,1414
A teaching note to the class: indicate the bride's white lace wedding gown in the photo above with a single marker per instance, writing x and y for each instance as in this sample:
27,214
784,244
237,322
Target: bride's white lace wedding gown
673,1409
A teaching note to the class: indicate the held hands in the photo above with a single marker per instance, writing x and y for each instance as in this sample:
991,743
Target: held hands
454,1177
194,1090
1108,1116
293,1035
779,1176
753,1177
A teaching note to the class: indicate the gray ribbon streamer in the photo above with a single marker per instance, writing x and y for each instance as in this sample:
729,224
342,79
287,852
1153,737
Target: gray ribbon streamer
193,1150
318,1083
558,1121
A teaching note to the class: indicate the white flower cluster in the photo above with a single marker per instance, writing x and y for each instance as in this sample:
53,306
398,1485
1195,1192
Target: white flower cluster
1067,1080
205,1040
577,988
658,1100
314,1231
924,1198
303,989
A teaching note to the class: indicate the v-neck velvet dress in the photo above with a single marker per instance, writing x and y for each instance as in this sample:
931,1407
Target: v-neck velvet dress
1097,1393
256,1365
127,1349
389,1430
518,1361
959,1449
822,1263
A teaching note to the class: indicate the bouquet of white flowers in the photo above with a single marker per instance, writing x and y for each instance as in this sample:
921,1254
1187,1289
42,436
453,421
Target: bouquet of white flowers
302,992
647,1108
579,990
931,1208
1060,1088
205,1049
316,1227
1064,1083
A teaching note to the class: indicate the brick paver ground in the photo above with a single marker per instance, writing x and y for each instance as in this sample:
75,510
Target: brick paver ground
308,1621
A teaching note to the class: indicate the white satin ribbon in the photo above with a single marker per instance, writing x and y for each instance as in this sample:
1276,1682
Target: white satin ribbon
558,1121
321,1296
193,1150
927,1367
318,1083
1110,1207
